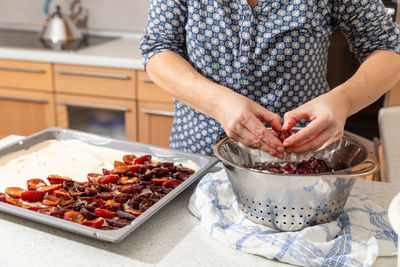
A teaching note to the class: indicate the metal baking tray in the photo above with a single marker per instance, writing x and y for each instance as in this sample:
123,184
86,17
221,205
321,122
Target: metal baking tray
204,162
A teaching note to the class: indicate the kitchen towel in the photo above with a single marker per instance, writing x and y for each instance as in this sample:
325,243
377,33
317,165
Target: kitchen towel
360,234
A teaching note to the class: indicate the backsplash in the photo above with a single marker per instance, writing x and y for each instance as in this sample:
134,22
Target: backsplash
121,15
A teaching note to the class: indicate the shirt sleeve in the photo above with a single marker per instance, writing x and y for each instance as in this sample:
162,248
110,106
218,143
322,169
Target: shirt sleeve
367,26
165,28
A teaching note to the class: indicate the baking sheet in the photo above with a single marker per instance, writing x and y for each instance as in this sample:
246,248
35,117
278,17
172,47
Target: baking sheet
204,163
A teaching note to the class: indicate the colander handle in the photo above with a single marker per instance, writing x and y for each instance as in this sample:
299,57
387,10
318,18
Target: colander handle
371,168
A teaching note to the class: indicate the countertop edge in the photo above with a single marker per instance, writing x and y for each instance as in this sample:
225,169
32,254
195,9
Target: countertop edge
75,58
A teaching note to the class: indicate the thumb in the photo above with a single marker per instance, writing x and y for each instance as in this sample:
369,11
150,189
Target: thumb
274,120
290,118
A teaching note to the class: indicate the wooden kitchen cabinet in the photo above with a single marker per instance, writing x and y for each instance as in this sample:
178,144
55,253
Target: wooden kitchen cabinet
25,112
155,112
26,99
26,75
95,81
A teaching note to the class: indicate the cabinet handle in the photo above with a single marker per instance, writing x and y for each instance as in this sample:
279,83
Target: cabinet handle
25,99
94,74
146,79
23,69
95,106
157,112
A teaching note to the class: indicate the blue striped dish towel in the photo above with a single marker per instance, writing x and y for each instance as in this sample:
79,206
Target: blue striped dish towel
356,238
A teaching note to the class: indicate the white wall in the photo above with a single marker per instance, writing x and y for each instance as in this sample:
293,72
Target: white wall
125,15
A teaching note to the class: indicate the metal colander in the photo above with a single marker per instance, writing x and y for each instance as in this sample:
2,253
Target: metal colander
290,202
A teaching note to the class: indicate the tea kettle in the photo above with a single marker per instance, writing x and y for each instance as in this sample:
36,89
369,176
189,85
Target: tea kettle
60,32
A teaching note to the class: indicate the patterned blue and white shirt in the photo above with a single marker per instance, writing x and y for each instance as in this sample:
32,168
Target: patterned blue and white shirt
274,54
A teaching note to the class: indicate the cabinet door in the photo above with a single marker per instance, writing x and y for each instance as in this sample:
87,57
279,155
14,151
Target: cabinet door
155,122
100,115
25,112
26,75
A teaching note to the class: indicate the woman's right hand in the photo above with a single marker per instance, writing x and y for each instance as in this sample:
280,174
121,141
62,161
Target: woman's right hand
241,119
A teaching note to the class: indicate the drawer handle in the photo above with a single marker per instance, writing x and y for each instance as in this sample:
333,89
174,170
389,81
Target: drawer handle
94,74
24,99
23,69
146,79
157,112
94,106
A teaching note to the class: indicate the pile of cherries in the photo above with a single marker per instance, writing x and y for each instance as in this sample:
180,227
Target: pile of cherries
311,166
108,200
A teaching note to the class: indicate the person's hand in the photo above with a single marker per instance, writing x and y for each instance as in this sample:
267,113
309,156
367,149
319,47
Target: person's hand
327,113
241,119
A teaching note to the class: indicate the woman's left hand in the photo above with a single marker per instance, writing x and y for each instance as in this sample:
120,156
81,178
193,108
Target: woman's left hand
327,113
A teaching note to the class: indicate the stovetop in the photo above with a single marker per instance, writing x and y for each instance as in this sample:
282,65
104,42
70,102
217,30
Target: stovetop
30,39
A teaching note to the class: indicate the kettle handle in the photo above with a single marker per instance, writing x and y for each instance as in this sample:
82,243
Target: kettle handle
46,6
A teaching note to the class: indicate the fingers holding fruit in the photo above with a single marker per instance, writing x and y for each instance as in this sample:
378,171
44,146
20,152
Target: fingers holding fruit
326,126
242,120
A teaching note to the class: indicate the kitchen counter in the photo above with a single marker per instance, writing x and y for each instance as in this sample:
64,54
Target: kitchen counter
172,237
118,53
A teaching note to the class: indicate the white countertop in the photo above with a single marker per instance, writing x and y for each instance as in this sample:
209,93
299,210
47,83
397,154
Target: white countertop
172,237
118,53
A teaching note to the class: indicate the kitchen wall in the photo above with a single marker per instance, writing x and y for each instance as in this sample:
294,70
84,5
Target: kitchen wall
122,15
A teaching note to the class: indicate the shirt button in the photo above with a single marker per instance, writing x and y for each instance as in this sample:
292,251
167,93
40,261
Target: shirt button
146,37
245,42
247,14
244,71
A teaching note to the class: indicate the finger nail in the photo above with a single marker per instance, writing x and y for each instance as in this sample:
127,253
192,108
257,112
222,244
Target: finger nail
286,143
285,125
280,149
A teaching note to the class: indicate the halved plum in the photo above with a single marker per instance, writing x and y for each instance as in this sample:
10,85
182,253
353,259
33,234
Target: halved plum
159,181
13,201
129,159
104,213
49,188
106,179
93,177
142,159
74,216
120,170
113,205
128,180
34,183
32,196
134,212
57,179
14,192
118,163
94,223
61,193
51,200
172,183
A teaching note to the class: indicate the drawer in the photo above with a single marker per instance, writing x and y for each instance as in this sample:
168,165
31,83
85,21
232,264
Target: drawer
149,91
25,75
95,81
